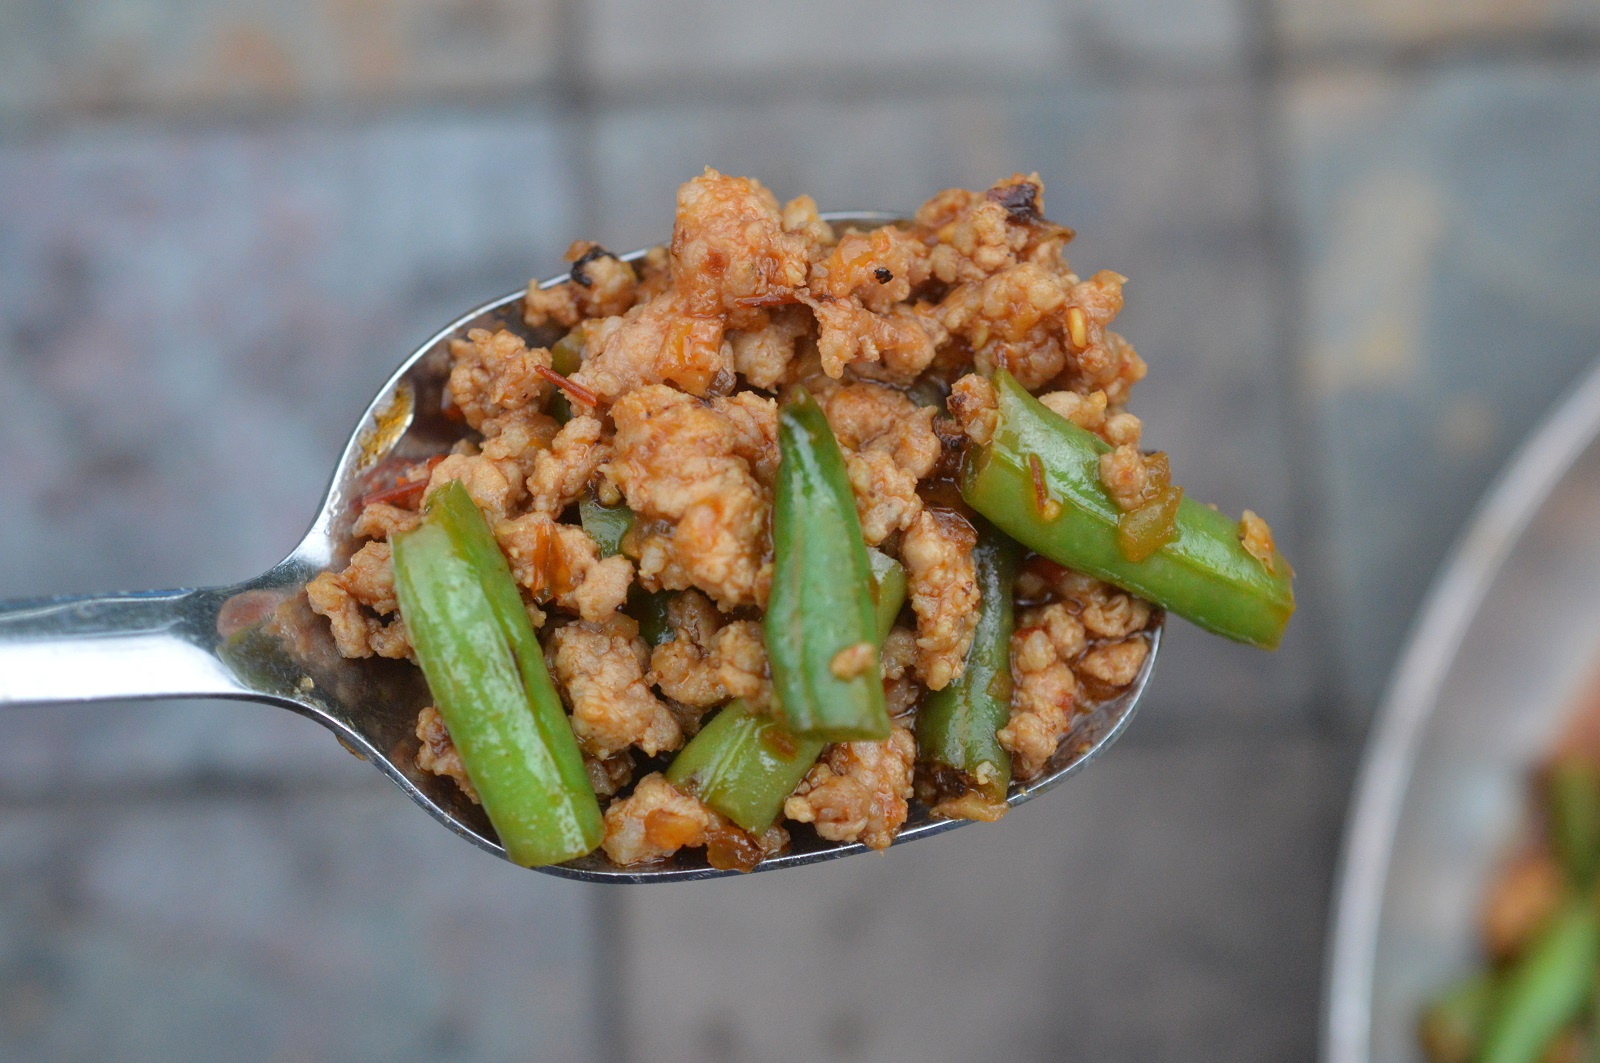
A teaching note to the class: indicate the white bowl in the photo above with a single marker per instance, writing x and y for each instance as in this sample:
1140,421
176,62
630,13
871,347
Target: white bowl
1506,643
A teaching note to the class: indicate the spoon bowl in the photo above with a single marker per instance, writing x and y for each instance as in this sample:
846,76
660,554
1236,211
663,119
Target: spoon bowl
260,641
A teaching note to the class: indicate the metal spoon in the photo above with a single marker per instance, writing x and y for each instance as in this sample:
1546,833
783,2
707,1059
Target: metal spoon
259,641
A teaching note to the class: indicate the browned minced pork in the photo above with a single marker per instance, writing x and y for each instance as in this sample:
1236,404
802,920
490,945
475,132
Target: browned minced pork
1044,690
602,285
677,462
1522,898
349,599
707,661
493,372
438,754
560,562
496,486
858,791
658,819
561,472
607,777
976,407
937,552
600,667
889,444
1093,634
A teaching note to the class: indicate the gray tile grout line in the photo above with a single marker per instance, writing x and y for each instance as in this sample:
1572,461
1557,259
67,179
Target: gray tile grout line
576,114
1329,708
1448,53
900,85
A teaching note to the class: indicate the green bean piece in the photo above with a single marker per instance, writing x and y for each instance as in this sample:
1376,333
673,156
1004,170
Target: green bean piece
566,358
821,614
1546,988
606,525
649,608
1572,802
889,589
1452,1024
566,354
484,666
1203,574
956,726
743,763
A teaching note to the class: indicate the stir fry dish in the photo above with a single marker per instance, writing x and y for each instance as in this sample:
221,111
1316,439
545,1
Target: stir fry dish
795,525
1536,997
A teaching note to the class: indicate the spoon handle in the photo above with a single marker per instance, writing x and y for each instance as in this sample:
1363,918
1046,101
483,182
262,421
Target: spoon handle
141,645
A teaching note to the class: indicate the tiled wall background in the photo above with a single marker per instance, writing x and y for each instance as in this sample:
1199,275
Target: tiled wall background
1365,253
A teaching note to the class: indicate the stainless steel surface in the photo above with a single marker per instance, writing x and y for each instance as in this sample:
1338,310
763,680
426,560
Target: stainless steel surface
259,640
1505,644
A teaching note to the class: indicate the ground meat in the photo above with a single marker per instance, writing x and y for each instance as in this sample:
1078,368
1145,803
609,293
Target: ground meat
380,520
1521,901
1105,611
349,599
1092,412
976,234
437,753
706,662
976,407
607,777
937,551
496,486
677,463
1042,696
899,652
560,562
1124,474
1105,362
602,285
889,445
1117,664
753,424
655,342
1092,633
1014,319
653,822
876,269
904,340
493,372
657,820
730,251
800,216
858,791
561,473
762,354
1256,537
600,668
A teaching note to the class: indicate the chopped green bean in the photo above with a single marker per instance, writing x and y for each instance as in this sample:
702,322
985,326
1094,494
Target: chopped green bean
1546,988
483,664
743,763
1572,801
1203,574
889,589
956,725
821,616
606,525
1452,1025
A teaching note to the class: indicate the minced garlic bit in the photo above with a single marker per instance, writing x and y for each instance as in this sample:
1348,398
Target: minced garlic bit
1256,537
854,660
1077,327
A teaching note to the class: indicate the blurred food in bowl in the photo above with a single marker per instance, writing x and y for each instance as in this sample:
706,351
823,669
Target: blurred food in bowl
1533,995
